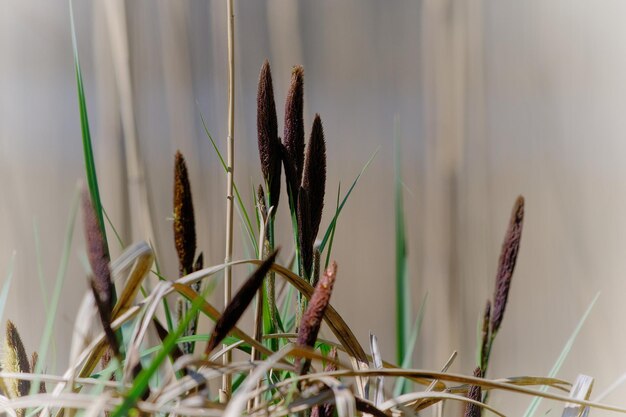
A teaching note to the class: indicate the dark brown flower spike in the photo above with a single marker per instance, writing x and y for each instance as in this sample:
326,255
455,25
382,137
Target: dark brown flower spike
267,130
15,360
294,130
474,393
312,318
314,176
97,254
506,264
234,310
184,221
304,232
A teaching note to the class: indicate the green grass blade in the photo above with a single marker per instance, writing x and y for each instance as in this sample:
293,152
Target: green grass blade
403,300
532,408
56,292
90,164
332,234
241,209
7,284
402,384
40,275
332,224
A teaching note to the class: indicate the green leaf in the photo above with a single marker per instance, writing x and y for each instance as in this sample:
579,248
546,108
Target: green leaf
241,209
532,408
403,290
332,224
90,165
56,293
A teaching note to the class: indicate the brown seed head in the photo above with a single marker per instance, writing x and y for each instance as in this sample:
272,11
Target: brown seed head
312,318
15,360
506,264
184,220
474,393
235,309
97,254
267,130
294,127
314,176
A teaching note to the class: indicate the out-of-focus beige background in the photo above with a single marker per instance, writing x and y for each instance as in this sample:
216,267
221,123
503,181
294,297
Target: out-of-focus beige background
493,99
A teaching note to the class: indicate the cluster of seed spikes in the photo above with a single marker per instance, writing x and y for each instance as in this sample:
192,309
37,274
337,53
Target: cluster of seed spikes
305,173
279,377
492,317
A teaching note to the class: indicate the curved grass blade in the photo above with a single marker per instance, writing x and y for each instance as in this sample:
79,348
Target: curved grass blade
333,223
7,284
532,408
243,213
56,292
90,164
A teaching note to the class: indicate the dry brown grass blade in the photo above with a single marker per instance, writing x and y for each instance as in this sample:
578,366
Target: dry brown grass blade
238,304
141,256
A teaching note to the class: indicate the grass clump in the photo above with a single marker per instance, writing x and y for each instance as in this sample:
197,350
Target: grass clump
283,366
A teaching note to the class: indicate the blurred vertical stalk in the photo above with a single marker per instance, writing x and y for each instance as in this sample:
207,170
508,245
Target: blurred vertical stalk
226,379
138,196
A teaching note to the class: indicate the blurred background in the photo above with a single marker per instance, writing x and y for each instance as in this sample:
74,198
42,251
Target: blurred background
492,99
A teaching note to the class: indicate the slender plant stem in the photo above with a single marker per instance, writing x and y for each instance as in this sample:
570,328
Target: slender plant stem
226,380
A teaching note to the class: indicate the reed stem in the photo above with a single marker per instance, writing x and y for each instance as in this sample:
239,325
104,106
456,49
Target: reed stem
226,379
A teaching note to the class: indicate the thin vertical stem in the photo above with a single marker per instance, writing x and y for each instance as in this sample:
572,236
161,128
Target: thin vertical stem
226,380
